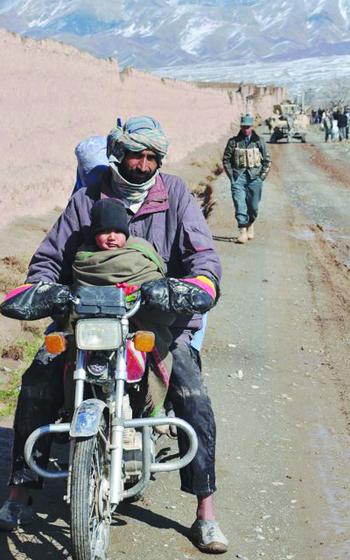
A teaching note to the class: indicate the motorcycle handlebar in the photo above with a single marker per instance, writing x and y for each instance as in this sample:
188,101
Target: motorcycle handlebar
135,307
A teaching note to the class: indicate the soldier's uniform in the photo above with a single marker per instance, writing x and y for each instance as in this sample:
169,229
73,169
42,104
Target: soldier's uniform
247,162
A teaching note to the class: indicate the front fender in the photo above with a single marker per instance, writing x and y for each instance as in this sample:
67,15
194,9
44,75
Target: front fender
87,418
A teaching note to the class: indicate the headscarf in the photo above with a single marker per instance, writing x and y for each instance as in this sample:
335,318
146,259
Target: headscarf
137,134
133,194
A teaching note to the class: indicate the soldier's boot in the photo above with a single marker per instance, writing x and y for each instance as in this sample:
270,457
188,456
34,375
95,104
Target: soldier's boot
250,231
243,235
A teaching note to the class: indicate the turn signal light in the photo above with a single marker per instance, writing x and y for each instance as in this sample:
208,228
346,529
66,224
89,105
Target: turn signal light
55,343
144,341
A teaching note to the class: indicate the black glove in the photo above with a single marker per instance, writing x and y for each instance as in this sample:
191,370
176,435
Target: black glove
171,294
35,301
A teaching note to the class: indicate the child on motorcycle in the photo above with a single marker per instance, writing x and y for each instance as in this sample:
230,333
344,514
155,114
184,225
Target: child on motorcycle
115,257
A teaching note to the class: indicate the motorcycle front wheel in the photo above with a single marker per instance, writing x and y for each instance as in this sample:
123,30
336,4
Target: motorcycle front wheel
90,508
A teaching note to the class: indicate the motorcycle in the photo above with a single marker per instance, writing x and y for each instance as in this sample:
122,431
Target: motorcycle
111,453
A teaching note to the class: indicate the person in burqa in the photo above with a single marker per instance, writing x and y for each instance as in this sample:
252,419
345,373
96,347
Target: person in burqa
161,210
247,162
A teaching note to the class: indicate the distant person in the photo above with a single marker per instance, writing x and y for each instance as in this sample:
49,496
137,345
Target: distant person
347,113
335,127
327,123
342,125
247,162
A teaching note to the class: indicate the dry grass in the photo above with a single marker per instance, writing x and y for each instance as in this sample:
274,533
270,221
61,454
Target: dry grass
204,194
23,351
13,352
35,330
13,270
15,263
218,169
201,168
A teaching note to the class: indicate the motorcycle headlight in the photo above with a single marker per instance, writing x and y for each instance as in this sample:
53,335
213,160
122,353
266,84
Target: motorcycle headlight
98,334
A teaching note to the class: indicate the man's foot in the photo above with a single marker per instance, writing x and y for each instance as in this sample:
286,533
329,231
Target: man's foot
250,231
14,514
243,236
167,429
207,536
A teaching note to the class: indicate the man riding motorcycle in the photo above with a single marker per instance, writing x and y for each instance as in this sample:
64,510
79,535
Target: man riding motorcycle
161,210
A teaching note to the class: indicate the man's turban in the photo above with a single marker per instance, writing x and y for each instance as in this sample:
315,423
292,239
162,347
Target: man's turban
137,134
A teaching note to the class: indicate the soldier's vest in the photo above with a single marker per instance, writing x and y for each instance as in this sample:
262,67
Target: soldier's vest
246,157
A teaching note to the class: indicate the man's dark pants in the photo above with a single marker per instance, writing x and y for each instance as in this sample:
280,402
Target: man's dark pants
42,396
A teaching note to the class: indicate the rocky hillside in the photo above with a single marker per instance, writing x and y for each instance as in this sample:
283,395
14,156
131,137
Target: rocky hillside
151,33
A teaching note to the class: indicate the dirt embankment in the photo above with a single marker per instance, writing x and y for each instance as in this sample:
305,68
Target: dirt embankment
53,95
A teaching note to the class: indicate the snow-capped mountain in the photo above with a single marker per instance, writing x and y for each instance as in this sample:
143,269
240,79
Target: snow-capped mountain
173,34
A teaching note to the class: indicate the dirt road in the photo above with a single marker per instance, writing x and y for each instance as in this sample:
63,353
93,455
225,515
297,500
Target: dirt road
276,361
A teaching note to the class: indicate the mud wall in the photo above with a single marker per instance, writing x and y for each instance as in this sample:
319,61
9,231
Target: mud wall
53,95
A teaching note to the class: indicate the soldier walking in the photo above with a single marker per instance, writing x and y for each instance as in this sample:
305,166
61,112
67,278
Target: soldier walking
247,162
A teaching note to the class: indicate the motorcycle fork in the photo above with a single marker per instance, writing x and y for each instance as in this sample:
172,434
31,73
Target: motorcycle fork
117,423
79,378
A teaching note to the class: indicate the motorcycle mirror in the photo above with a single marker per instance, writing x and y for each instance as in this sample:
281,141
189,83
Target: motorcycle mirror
55,343
144,341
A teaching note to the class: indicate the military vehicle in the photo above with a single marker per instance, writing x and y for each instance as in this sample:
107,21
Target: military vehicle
287,123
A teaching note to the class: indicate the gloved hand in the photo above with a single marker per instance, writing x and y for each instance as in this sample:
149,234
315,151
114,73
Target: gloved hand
185,296
35,301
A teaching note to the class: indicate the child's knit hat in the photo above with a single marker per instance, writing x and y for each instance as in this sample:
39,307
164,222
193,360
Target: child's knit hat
107,214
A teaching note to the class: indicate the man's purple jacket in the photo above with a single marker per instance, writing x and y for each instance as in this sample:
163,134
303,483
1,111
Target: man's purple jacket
170,219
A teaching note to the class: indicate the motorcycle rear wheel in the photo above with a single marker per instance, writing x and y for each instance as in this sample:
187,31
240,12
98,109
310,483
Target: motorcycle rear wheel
90,508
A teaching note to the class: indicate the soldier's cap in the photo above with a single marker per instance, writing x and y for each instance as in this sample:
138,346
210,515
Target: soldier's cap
247,120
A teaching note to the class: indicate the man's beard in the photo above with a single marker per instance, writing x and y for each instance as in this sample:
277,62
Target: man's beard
135,175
